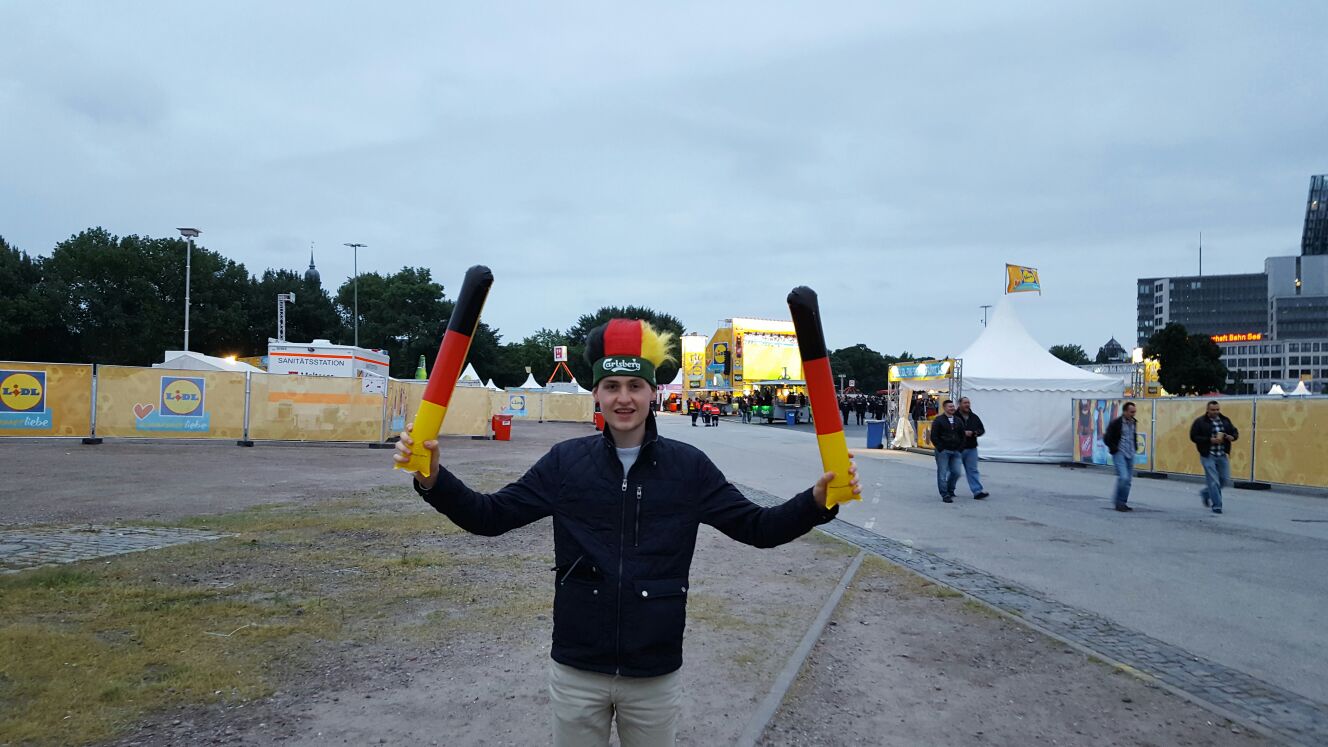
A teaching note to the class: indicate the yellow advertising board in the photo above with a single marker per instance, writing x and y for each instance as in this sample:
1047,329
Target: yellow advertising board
314,408
1173,450
569,408
45,399
1288,447
468,413
164,403
1091,417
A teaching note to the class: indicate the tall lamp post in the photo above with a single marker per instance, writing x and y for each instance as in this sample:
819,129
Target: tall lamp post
188,234
355,264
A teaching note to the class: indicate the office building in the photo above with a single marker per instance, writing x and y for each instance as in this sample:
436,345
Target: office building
1314,238
1254,363
1205,304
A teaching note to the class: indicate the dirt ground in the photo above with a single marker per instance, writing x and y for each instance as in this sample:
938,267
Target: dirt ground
904,662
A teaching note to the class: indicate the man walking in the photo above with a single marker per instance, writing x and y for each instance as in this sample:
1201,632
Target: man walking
860,408
621,555
971,424
947,438
1121,442
1212,434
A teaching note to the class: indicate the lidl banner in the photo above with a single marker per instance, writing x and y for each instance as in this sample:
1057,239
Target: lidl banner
180,407
45,399
23,400
164,403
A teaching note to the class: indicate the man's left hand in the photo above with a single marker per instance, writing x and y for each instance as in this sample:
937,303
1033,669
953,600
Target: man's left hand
821,488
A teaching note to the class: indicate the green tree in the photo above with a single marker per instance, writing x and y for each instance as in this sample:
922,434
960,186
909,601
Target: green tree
868,368
31,323
1187,364
535,351
125,297
313,316
1072,354
577,334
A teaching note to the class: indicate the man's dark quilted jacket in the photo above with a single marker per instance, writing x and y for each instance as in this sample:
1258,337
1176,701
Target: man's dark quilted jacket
623,543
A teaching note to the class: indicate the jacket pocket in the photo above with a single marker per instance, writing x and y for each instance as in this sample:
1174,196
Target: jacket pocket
654,621
580,619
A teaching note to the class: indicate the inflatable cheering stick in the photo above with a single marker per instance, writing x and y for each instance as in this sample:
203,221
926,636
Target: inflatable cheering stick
821,392
447,366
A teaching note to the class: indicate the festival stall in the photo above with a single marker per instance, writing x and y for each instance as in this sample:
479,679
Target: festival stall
1023,393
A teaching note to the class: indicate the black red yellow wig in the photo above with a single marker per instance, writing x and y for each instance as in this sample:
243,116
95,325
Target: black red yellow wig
627,347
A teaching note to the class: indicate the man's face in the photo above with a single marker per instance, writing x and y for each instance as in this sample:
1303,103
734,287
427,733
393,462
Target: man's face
1214,409
964,406
1129,411
624,400
949,408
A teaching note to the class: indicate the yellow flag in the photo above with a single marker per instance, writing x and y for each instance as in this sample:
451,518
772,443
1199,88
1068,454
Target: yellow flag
1021,279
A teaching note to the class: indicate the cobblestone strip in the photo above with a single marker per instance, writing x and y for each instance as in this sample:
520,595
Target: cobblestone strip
22,549
1231,693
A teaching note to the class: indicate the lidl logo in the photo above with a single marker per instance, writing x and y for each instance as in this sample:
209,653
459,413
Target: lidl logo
182,397
23,391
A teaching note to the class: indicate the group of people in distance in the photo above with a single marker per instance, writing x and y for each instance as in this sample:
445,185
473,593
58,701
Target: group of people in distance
1212,435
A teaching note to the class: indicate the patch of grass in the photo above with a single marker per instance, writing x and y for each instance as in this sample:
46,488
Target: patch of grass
978,608
86,650
832,543
716,613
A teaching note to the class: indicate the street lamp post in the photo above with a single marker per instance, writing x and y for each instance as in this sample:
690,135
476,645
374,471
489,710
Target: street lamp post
355,269
841,383
188,234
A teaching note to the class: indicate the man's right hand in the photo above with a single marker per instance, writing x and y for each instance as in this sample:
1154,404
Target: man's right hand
402,456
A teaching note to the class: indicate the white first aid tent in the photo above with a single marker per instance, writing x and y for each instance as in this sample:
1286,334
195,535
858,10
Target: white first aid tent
1023,393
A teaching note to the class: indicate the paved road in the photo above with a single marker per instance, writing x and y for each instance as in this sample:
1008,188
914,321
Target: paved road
1246,589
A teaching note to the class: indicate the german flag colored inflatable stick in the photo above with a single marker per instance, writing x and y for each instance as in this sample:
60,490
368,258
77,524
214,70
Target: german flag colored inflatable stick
447,366
821,391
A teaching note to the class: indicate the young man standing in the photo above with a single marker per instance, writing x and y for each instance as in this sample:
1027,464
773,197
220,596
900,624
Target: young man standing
626,505
1120,441
973,430
1213,434
947,438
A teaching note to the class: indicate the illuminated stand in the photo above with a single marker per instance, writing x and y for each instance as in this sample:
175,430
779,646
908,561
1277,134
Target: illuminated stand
920,378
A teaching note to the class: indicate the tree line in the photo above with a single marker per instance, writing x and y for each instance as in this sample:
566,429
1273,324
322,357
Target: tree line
101,298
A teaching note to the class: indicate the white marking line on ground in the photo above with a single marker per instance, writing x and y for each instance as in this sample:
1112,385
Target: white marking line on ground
870,523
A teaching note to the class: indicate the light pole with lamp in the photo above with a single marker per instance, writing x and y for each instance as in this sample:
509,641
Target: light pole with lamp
188,234
841,382
355,269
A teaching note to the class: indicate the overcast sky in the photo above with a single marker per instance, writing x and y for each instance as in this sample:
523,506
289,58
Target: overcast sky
698,158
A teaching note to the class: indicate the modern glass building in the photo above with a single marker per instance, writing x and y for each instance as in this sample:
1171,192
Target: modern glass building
1314,239
1253,366
1205,304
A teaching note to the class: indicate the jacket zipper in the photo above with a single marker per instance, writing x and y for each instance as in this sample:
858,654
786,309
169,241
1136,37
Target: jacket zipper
636,531
622,550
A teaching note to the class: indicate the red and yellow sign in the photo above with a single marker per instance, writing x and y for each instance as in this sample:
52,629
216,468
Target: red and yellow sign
1238,337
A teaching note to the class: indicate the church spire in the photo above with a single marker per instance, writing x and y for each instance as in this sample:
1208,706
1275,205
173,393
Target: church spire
311,274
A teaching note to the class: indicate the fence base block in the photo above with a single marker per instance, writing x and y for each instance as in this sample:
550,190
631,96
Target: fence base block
244,443
91,441
1151,475
382,446
1247,485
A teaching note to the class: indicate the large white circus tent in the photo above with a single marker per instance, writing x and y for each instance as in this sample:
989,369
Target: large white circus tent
1023,393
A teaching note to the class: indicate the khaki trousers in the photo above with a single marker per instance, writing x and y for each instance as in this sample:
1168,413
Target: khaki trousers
585,703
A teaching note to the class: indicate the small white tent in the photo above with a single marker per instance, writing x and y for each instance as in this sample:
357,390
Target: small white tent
529,385
190,361
469,377
1276,390
492,386
1024,393
1300,390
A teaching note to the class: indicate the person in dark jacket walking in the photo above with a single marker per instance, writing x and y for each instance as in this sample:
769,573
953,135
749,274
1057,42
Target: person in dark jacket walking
973,430
626,505
1121,442
860,408
1212,434
694,407
947,438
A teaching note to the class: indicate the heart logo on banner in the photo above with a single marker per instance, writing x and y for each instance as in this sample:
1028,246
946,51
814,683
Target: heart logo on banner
142,411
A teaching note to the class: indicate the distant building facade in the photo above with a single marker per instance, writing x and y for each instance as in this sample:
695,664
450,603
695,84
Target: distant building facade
1314,237
1205,304
1113,352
